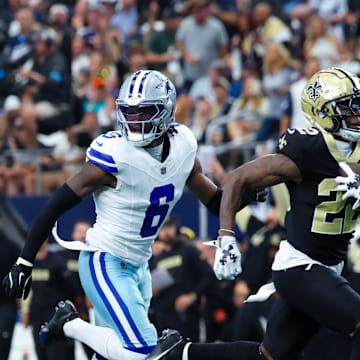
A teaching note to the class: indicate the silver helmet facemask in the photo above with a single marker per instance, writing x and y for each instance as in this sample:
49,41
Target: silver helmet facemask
145,107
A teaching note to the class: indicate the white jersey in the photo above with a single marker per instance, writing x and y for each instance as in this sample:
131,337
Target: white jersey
128,217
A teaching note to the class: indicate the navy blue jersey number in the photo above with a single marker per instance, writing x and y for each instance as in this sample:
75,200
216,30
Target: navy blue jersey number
157,210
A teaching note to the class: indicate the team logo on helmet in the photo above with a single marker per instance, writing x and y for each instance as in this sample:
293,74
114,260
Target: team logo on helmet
313,90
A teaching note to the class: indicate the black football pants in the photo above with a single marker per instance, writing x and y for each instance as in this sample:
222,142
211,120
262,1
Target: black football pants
308,299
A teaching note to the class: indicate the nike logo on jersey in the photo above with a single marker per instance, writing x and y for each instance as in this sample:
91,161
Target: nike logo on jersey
100,143
291,131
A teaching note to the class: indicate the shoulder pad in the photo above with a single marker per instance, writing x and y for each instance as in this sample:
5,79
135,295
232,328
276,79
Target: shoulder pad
187,134
100,151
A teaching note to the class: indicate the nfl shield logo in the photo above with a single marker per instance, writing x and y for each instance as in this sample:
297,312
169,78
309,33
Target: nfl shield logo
163,170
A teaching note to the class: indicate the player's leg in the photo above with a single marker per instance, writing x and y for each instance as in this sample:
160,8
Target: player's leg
325,297
120,294
172,346
287,333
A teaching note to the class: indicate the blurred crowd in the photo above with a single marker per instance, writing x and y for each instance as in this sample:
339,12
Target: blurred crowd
238,66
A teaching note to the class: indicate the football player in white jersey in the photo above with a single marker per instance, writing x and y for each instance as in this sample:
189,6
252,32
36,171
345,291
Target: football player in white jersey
136,175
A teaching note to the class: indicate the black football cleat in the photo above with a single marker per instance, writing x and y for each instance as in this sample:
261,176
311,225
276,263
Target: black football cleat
53,329
169,346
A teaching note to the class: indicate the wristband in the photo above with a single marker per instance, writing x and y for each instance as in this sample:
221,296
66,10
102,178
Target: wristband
226,230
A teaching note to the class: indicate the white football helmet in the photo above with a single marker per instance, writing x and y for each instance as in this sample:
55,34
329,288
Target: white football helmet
145,106
330,98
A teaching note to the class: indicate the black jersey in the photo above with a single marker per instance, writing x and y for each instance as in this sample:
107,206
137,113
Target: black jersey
318,223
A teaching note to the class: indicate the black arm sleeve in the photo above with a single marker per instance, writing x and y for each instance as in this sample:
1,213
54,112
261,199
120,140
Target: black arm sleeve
63,199
214,204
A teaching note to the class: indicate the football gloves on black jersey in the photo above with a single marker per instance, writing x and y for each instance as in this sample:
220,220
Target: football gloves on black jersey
17,283
227,263
350,184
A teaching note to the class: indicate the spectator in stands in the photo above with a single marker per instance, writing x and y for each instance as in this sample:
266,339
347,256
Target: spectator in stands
6,158
248,111
107,115
125,20
178,300
226,11
59,20
200,120
271,28
80,58
94,99
8,10
102,67
242,45
8,307
90,13
47,86
278,74
65,158
203,86
184,109
293,114
322,43
267,28
201,39
333,11
11,171
161,53
137,59
20,37
352,29
222,102
51,281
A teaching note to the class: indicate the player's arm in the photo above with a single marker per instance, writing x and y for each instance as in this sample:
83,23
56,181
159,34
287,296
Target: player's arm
263,172
199,184
18,281
86,181
210,194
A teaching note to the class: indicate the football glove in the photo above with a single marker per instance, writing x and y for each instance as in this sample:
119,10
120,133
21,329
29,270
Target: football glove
356,233
227,264
350,184
17,283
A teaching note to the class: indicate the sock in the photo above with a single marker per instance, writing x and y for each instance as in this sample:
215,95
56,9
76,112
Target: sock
244,350
102,340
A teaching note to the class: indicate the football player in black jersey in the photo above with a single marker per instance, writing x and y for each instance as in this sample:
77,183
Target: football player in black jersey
319,225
